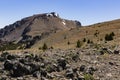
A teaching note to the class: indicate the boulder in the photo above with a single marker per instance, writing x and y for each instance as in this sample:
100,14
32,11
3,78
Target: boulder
37,74
111,63
116,51
43,72
82,68
2,59
11,57
8,65
62,63
34,67
91,70
69,73
20,70
4,54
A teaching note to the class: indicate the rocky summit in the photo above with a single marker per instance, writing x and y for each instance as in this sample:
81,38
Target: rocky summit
36,25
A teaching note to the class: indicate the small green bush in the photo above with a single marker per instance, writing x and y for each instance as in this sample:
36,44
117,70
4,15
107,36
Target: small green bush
78,44
88,41
109,37
44,47
84,40
68,43
88,77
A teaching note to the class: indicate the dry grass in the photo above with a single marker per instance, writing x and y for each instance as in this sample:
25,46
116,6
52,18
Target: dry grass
57,40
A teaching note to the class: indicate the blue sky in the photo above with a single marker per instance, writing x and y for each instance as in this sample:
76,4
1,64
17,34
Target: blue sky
86,11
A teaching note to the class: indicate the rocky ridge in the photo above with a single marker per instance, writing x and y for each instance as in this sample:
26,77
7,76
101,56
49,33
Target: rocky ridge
36,25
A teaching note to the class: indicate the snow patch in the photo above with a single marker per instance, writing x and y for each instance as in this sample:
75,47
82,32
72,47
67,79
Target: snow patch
63,22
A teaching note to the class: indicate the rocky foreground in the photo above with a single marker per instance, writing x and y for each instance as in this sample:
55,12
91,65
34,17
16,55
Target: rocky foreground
73,64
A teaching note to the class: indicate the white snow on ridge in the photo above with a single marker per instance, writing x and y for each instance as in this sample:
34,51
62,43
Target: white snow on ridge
63,22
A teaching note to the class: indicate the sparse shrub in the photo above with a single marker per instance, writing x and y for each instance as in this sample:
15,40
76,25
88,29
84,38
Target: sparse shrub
44,47
78,44
101,39
88,41
51,47
88,77
68,43
40,48
10,46
96,33
49,68
84,40
65,37
112,34
109,37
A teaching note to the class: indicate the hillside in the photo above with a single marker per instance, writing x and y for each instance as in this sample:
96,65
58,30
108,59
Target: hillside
95,33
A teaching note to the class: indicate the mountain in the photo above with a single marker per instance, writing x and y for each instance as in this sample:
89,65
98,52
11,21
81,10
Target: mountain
36,25
49,28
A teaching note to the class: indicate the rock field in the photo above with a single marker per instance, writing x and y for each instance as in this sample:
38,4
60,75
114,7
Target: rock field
72,64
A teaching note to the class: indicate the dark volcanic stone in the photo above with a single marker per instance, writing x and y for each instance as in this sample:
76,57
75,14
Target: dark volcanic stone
69,73
2,59
8,65
116,51
20,70
111,63
4,54
82,68
34,67
10,57
37,74
62,63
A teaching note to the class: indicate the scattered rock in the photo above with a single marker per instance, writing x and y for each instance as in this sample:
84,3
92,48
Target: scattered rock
11,57
82,68
116,51
69,73
62,63
59,66
111,63
37,74
8,65
19,70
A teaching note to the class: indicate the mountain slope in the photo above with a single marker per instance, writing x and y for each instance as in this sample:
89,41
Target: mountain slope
95,33
40,24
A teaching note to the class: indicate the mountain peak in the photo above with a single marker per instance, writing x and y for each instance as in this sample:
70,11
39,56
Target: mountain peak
39,24
54,14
